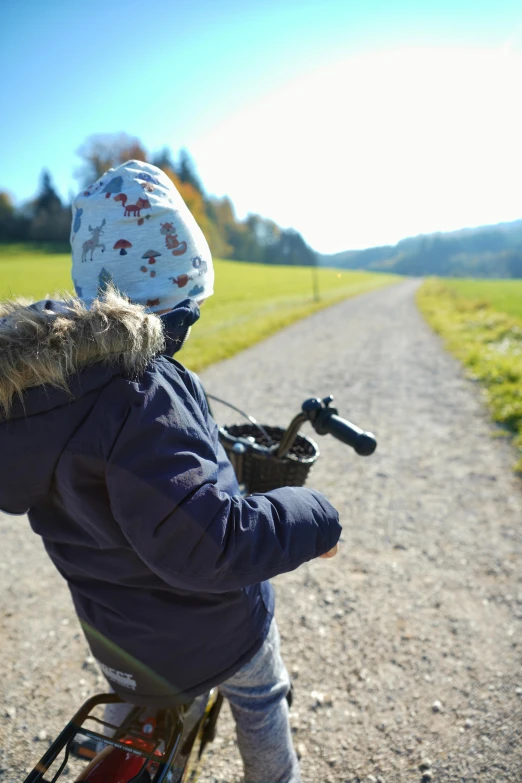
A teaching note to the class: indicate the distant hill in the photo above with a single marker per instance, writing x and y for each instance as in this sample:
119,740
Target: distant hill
487,251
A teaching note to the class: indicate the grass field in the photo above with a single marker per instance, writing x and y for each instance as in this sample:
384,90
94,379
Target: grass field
32,272
251,301
481,323
504,296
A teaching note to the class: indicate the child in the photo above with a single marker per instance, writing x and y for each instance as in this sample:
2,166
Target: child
109,446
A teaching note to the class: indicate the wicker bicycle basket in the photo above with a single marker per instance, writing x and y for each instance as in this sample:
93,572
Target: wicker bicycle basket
255,462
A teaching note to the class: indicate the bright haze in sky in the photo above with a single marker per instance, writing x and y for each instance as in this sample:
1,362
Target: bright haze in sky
356,124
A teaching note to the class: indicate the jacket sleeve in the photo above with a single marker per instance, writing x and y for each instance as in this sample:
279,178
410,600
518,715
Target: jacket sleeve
161,472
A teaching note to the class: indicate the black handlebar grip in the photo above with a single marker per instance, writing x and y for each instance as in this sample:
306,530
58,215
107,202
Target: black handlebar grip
363,443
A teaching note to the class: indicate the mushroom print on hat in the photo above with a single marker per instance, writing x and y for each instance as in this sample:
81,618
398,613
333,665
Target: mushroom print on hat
137,232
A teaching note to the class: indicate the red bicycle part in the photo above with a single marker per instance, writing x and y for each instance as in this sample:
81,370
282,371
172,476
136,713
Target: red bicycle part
112,765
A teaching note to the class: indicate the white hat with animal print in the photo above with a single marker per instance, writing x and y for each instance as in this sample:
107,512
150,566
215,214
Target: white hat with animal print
132,228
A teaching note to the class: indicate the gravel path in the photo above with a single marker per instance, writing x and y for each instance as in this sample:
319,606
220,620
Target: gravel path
406,647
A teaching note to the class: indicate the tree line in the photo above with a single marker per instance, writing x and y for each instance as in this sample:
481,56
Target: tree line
487,251
256,239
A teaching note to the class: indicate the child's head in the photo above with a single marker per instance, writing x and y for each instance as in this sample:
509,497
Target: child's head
131,228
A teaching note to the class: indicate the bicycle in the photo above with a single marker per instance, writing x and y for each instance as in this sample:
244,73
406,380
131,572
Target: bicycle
166,745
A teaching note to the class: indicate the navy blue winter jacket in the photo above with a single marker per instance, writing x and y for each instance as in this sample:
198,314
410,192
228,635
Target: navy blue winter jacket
121,472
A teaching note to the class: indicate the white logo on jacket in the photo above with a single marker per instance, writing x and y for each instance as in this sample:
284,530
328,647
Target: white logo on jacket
122,678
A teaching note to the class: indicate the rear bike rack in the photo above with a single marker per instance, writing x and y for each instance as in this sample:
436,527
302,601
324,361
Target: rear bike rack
76,725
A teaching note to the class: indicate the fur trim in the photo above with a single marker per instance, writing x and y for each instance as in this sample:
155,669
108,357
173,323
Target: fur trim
41,346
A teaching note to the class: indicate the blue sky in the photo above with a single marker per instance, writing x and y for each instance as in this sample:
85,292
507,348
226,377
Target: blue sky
357,123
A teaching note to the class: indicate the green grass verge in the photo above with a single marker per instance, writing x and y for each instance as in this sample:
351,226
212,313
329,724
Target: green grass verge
487,340
505,296
251,301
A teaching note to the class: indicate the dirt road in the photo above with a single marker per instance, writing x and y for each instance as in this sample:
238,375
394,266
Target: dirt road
405,648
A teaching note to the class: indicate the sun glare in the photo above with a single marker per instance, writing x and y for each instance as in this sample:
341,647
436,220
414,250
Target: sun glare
379,147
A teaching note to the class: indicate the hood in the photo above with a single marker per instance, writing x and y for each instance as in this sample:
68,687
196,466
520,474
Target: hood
54,354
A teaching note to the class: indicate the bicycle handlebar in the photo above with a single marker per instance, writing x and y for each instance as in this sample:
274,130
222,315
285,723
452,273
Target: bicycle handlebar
363,443
326,421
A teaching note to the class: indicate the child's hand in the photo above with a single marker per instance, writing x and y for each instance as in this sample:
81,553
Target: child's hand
331,553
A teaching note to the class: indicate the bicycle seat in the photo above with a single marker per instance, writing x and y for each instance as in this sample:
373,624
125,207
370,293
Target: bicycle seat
131,680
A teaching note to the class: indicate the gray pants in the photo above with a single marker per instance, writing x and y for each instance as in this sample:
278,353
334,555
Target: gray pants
257,697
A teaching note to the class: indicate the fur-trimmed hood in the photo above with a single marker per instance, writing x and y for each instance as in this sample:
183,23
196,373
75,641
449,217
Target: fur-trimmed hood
56,360
46,343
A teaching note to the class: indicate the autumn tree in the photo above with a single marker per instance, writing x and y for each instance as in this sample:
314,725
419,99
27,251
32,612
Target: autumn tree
184,167
104,151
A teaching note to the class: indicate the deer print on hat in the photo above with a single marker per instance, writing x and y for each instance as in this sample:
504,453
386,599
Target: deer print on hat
92,243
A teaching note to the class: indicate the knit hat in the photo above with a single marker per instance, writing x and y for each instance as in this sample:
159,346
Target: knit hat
131,228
